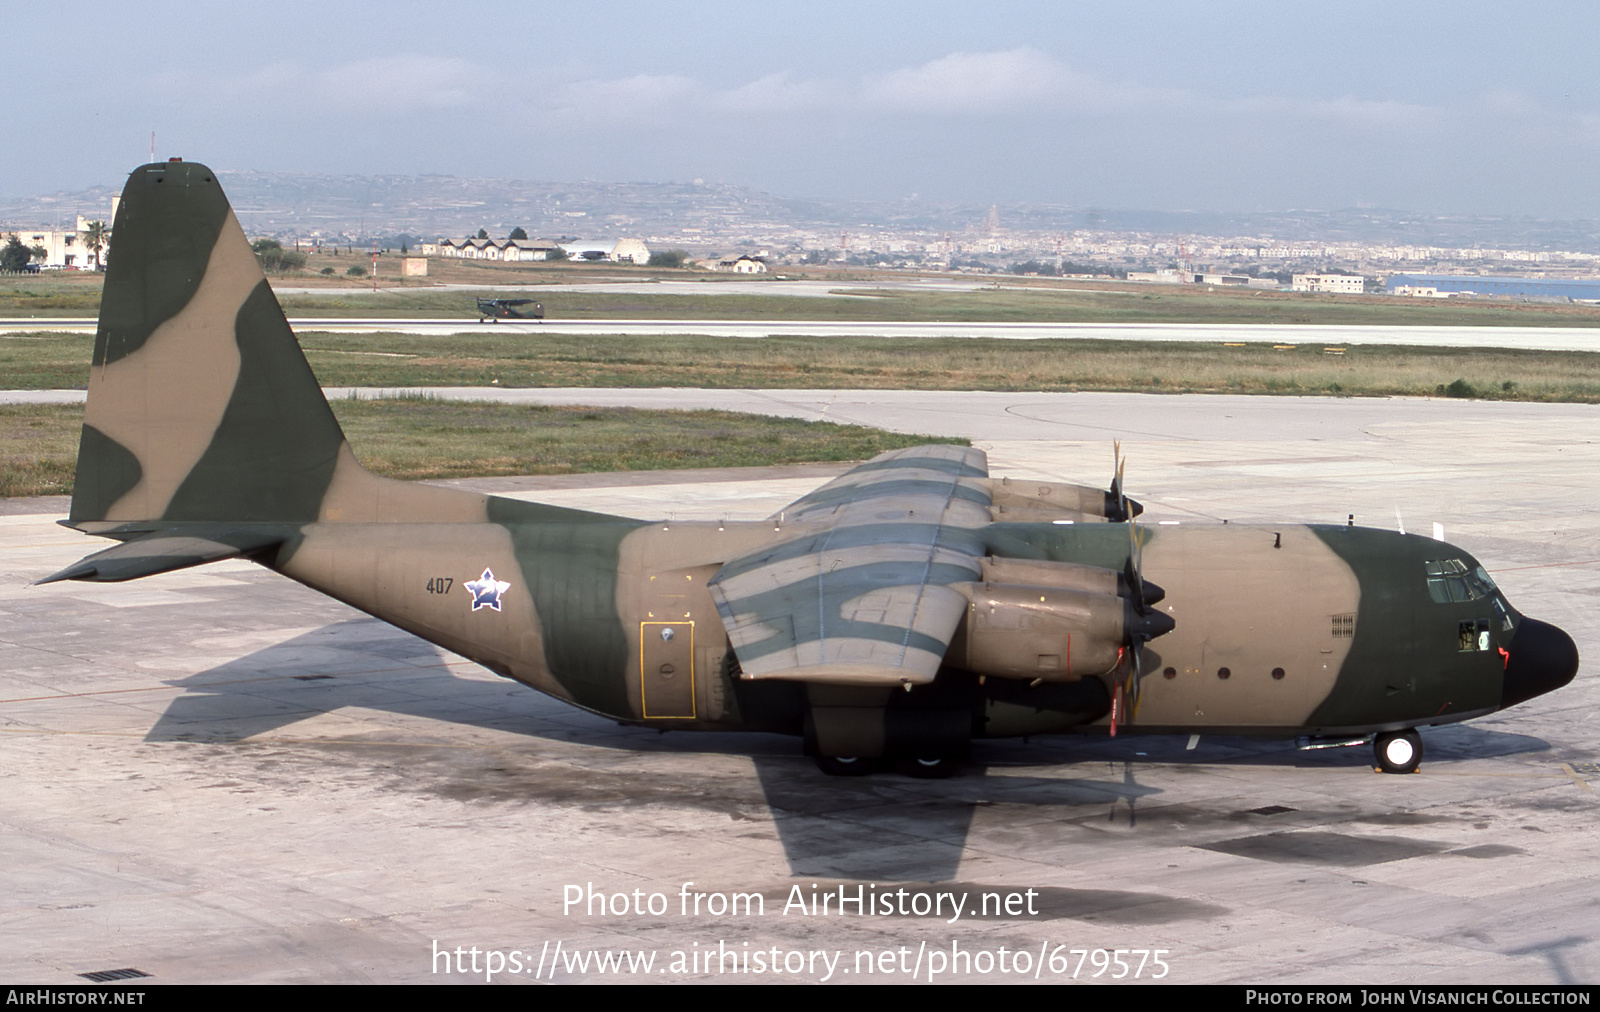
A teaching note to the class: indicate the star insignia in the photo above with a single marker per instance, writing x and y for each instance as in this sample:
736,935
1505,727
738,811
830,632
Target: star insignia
486,590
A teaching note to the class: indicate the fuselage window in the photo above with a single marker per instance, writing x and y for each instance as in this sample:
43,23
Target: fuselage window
1473,635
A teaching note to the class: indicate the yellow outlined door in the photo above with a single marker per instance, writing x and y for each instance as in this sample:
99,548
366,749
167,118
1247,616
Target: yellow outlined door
666,670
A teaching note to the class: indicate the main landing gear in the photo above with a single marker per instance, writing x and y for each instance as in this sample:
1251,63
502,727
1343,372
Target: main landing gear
932,768
844,766
1398,751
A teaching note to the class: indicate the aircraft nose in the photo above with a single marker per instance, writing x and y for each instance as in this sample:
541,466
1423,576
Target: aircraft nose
1542,659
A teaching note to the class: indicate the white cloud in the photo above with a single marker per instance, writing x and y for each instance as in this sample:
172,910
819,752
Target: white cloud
380,86
1510,102
1348,111
638,97
1361,112
781,93
972,83
395,83
1011,81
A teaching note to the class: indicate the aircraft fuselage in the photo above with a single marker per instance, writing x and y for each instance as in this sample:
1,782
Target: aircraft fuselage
1278,630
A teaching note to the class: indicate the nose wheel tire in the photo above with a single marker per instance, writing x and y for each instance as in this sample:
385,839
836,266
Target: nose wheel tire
1398,752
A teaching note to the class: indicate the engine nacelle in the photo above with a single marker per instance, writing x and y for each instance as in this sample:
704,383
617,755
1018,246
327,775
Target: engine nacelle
1044,501
1039,633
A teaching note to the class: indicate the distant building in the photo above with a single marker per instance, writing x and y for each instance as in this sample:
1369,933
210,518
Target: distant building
528,249
495,249
630,251
62,248
465,249
1165,276
1341,284
623,251
1173,276
743,265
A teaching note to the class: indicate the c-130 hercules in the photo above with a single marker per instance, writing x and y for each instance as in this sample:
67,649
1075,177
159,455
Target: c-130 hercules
894,614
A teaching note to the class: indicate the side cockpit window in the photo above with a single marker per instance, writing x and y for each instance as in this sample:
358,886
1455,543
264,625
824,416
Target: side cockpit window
1501,610
1449,580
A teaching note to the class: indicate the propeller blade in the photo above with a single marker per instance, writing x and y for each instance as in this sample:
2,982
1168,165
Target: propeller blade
1116,481
1119,507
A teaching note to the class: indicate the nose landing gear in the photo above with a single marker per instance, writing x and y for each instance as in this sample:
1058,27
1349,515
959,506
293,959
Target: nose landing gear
1398,751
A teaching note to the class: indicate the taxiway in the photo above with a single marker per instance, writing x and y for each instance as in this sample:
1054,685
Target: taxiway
1533,338
217,775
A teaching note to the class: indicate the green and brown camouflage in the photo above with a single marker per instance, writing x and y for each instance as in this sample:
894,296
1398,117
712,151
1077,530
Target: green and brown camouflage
900,611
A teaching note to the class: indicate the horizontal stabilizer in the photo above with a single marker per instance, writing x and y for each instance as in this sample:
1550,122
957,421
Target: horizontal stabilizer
170,549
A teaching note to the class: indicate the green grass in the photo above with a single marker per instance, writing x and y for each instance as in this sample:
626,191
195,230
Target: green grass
423,438
1133,304
1014,300
523,359
23,297
38,448
45,361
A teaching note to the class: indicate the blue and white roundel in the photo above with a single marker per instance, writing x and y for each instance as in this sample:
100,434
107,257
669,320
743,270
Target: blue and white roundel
486,590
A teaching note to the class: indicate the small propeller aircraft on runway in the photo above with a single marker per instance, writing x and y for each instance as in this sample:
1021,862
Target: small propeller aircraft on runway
895,614
509,309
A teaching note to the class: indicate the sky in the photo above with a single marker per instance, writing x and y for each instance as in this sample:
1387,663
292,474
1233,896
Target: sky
1446,108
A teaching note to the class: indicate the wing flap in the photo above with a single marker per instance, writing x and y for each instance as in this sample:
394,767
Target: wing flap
896,636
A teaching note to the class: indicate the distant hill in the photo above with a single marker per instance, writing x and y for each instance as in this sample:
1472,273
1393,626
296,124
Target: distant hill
355,208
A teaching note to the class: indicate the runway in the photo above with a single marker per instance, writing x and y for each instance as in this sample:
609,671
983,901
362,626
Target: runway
217,775
1534,338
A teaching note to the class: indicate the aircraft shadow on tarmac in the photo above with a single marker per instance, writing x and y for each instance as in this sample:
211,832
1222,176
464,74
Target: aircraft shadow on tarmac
884,828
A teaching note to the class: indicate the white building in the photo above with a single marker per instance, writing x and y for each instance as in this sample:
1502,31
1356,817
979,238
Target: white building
1165,276
630,251
493,249
527,249
743,265
623,251
1342,284
62,249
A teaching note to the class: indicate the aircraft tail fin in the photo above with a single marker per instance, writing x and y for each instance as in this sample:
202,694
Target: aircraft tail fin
201,404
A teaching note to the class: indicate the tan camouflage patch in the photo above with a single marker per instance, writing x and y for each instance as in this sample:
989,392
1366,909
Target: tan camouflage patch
165,400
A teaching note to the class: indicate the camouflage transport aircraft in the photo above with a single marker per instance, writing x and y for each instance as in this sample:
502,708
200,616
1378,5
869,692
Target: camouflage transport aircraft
496,310
891,616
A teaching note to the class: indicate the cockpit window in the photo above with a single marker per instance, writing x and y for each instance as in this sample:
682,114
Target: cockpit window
1449,580
1504,613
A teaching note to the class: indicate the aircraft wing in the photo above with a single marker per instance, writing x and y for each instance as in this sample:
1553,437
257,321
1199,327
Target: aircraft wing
865,595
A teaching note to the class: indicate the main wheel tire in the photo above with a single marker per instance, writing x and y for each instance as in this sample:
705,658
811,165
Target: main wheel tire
843,766
1399,751
930,769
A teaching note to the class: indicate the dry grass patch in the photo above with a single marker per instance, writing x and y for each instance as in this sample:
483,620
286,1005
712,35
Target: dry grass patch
38,448
532,358
424,438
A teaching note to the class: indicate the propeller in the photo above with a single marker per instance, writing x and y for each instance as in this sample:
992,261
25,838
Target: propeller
1141,623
